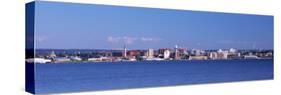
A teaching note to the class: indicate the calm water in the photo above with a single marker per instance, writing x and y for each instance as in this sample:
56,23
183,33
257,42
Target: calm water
57,78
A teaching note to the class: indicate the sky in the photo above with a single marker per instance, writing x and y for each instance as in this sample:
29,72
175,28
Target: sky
88,26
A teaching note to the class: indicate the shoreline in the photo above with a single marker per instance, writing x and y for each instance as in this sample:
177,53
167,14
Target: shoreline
127,62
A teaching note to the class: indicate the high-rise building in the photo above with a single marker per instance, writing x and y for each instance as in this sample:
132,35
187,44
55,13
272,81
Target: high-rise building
150,53
162,50
166,54
125,51
176,52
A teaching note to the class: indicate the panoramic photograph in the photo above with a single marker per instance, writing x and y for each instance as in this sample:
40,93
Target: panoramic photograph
73,47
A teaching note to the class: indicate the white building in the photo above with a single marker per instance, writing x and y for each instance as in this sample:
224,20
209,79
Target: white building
150,53
232,50
125,51
176,52
167,54
53,55
197,52
213,55
101,59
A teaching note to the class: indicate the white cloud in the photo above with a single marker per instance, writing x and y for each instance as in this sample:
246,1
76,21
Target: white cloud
149,39
131,40
226,42
40,39
113,39
234,42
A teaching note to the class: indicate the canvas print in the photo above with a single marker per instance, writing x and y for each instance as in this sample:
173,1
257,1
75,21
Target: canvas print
73,47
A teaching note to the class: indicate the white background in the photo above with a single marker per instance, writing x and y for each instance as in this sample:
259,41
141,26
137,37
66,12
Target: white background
12,47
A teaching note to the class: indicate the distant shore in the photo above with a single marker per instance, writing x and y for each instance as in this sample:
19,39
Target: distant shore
93,62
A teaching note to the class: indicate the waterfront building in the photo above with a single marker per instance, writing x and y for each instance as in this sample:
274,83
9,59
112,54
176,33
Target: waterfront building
150,53
220,50
213,55
251,56
100,59
133,58
201,57
134,53
197,52
162,50
239,54
125,51
167,54
182,52
232,50
75,58
222,54
269,54
176,52
52,54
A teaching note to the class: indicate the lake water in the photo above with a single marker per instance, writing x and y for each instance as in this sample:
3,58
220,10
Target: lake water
72,77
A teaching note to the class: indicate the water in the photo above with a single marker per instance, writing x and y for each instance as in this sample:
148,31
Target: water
57,78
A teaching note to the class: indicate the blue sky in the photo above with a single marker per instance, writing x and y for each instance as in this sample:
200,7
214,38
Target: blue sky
86,26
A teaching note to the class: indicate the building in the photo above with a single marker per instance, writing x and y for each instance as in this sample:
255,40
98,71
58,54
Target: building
125,51
198,58
166,54
75,58
182,53
222,54
150,53
197,52
52,54
233,54
133,53
176,52
162,50
213,55
99,59
232,51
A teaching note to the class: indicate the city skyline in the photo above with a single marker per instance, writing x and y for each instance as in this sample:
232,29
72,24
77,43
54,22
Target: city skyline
60,26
